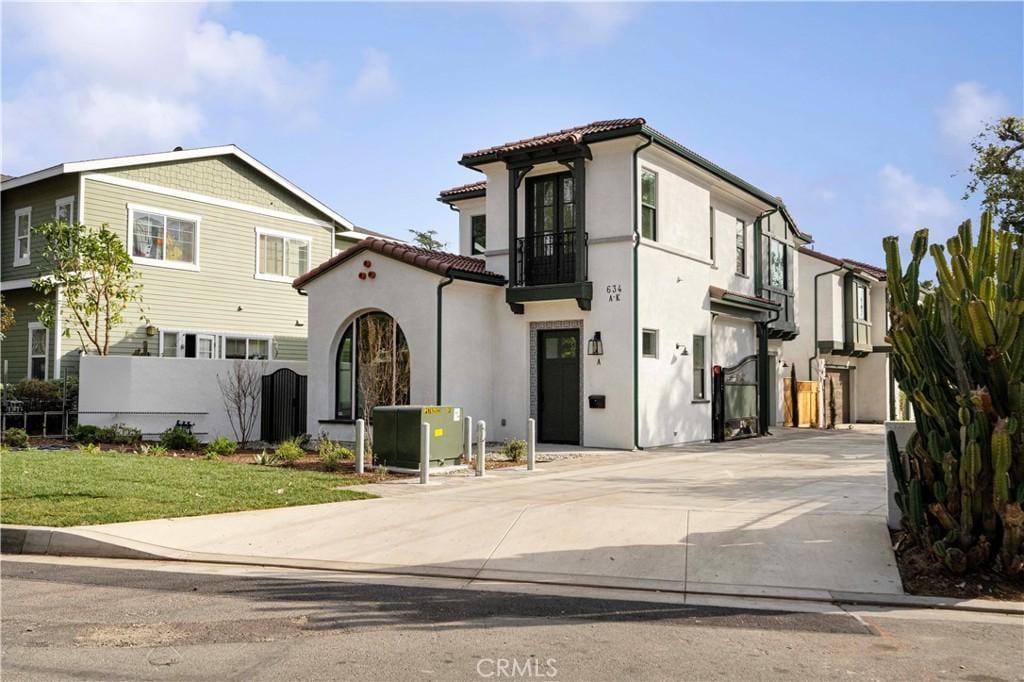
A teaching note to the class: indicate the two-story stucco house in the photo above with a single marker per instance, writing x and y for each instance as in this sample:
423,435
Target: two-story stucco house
604,272
216,235
843,324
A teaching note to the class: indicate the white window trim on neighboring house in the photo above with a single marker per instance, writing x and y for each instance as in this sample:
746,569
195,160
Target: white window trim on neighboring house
68,201
158,262
34,326
220,341
286,236
22,257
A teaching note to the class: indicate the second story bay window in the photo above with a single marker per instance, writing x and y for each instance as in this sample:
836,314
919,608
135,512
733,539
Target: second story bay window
778,269
159,237
281,256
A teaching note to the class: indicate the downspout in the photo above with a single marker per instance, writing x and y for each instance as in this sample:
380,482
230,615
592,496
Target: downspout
636,294
810,360
440,286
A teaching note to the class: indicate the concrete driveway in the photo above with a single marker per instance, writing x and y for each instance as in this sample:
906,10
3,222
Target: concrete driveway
800,514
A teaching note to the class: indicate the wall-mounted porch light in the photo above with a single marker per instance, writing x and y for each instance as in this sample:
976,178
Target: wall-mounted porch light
683,346
595,346
150,330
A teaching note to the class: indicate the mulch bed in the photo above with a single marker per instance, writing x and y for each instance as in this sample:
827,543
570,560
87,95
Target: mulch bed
922,576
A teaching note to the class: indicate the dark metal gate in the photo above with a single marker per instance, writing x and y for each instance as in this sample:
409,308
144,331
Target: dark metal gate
283,406
734,400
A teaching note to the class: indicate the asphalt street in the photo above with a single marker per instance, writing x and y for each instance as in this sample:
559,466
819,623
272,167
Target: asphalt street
78,619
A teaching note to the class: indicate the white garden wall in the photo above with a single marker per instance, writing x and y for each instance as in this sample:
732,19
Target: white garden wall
151,393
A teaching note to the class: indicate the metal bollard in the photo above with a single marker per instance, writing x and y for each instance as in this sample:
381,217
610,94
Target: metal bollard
467,438
481,447
424,452
531,444
360,445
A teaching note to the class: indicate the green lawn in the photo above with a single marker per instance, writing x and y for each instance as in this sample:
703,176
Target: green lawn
71,488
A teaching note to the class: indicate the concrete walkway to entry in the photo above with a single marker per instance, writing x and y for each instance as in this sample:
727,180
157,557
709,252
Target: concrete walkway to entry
801,514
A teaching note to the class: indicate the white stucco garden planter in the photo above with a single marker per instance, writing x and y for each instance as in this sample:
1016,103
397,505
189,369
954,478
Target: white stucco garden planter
903,431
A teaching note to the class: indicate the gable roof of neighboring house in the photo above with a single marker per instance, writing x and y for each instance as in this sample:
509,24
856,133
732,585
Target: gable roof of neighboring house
439,262
617,128
4,177
469,191
855,265
178,155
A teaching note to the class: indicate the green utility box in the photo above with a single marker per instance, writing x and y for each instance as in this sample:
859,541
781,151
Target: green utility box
396,434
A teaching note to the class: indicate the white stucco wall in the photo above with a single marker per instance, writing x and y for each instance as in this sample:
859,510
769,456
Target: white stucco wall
119,389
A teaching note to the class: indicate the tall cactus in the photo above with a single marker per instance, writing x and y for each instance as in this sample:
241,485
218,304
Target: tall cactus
958,355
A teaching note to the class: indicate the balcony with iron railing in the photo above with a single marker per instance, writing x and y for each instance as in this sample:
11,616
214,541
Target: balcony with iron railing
550,266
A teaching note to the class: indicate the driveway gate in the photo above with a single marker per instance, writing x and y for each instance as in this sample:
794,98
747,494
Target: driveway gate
283,406
734,400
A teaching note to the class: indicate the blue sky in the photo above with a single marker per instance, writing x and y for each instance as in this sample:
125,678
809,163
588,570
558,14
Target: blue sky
858,114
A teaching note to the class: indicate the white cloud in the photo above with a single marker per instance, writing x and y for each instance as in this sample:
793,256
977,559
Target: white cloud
967,109
139,77
569,26
374,80
909,205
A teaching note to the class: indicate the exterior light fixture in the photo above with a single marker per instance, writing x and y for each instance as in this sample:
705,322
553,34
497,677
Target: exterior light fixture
595,346
683,346
150,330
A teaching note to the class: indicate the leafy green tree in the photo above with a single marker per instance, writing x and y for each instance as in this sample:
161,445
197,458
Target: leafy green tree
6,317
93,275
998,171
428,239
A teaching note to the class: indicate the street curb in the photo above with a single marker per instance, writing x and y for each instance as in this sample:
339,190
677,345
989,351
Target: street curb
43,540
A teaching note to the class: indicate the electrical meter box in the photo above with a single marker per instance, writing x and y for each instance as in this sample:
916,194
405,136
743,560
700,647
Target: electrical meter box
396,434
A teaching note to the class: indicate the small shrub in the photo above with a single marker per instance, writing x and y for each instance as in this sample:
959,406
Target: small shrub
303,440
210,455
154,449
514,449
266,459
86,433
16,438
221,446
120,434
332,454
289,452
179,438
382,472
89,449
37,391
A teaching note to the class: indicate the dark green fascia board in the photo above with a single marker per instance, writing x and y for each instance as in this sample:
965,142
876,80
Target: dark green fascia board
466,276
676,148
550,292
462,196
744,302
885,348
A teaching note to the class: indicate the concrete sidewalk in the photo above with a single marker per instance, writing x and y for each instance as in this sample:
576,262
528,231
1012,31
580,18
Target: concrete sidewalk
798,515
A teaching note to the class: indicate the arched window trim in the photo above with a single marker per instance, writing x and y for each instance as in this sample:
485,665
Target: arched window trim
354,398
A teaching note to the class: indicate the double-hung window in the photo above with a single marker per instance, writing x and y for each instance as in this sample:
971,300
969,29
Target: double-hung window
22,237
164,238
648,204
699,371
64,210
741,247
281,256
478,235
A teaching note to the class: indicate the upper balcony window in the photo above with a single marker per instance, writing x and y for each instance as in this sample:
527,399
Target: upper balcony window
861,299
163,238
478,235
778,275
547,255
649,204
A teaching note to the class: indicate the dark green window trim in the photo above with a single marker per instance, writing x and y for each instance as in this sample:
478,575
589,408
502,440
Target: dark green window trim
699,368
649,343
478,235
711,233
648,204
741,247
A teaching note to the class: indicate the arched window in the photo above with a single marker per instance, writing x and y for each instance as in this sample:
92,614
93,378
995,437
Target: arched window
371,367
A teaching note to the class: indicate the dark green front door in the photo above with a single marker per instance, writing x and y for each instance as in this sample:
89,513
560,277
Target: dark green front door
558,386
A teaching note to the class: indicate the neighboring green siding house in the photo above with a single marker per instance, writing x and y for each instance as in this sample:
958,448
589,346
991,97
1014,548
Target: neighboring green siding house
216,235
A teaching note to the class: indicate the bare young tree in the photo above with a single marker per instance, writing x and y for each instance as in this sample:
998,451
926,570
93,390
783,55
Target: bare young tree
241,391
376,375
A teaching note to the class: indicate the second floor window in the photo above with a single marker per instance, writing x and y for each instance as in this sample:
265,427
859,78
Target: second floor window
281,256
22,236
777,275
478,234
649,204
64,210
741,247
711,234
163,238
861,293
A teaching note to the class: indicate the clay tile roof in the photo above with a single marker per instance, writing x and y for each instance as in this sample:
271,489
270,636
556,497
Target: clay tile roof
574,135
463,191
439,262
873,270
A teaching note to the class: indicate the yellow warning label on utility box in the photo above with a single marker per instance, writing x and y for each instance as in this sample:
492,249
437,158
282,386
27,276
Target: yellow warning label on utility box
438,433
